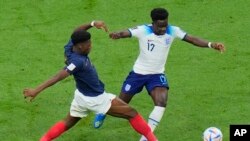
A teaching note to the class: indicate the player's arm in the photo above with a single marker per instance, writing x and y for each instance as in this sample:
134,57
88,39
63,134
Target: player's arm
120,34
202,43
32,93
97,24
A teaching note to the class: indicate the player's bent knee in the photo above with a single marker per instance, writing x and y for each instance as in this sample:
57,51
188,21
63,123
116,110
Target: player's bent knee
131,113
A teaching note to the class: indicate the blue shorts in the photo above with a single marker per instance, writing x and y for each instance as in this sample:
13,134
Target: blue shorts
134,82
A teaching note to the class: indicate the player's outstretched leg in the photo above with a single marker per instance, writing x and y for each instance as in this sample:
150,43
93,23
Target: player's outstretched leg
141,126
154,119
121,109
55,131
159,96
59,128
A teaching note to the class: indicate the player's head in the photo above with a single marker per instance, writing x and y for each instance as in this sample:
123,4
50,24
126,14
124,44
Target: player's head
81,41
159,14
159,17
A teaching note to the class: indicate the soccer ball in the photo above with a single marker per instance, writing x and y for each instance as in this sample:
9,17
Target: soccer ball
212,134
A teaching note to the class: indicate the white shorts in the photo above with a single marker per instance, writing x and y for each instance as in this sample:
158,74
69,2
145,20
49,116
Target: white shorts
82,105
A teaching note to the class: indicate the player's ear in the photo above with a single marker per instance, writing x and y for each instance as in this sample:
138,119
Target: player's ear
78,46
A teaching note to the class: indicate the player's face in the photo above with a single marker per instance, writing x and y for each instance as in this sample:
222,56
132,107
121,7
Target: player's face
160,27
86,47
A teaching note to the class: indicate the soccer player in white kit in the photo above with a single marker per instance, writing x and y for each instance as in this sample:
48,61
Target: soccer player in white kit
149,69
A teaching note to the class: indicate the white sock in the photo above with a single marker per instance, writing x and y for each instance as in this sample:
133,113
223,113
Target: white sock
154,119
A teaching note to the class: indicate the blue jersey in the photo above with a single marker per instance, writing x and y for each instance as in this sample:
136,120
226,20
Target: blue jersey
85,74
68,49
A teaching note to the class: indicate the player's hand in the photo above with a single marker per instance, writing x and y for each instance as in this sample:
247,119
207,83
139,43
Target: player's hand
30,94
101,25
218,46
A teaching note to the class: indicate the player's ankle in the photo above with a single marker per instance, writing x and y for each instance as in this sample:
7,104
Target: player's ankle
151,137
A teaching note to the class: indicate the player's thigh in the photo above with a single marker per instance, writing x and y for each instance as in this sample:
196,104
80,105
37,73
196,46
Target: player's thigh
156,80
121,109
159,96
126,97
70,121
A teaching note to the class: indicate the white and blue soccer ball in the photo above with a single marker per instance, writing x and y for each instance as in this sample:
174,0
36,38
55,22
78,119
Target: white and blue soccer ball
212,134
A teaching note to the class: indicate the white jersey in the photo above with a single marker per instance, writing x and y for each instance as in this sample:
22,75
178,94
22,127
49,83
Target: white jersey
153,48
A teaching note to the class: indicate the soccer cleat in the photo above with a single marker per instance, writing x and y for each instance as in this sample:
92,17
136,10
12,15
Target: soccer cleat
99,119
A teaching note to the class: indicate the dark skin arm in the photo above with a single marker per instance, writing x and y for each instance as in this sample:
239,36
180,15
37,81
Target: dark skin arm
188,38
202,43
120,34
32,93
97,24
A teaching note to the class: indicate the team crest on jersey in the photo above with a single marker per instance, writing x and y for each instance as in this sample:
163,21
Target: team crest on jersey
87,62
127,87
168,41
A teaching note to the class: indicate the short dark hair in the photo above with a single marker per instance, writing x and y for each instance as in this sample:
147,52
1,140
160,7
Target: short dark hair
159,14
80,36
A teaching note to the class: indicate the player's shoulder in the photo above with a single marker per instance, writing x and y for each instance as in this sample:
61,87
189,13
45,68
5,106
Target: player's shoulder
173,26
69,45
146,28
76,58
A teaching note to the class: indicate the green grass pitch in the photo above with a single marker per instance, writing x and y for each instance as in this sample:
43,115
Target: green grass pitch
207,88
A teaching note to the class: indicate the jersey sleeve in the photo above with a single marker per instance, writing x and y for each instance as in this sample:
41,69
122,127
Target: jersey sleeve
137,31
178,32
68,49
73,66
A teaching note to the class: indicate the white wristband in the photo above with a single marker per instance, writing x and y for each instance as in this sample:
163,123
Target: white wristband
92,23
209,44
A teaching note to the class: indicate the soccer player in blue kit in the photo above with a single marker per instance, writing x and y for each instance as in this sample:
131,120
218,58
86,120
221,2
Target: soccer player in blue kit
90,93
149,69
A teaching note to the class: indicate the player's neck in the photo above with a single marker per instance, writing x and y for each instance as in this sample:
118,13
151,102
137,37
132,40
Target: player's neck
76,50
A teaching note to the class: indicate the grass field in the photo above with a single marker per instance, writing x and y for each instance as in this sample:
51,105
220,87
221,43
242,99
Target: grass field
207,88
